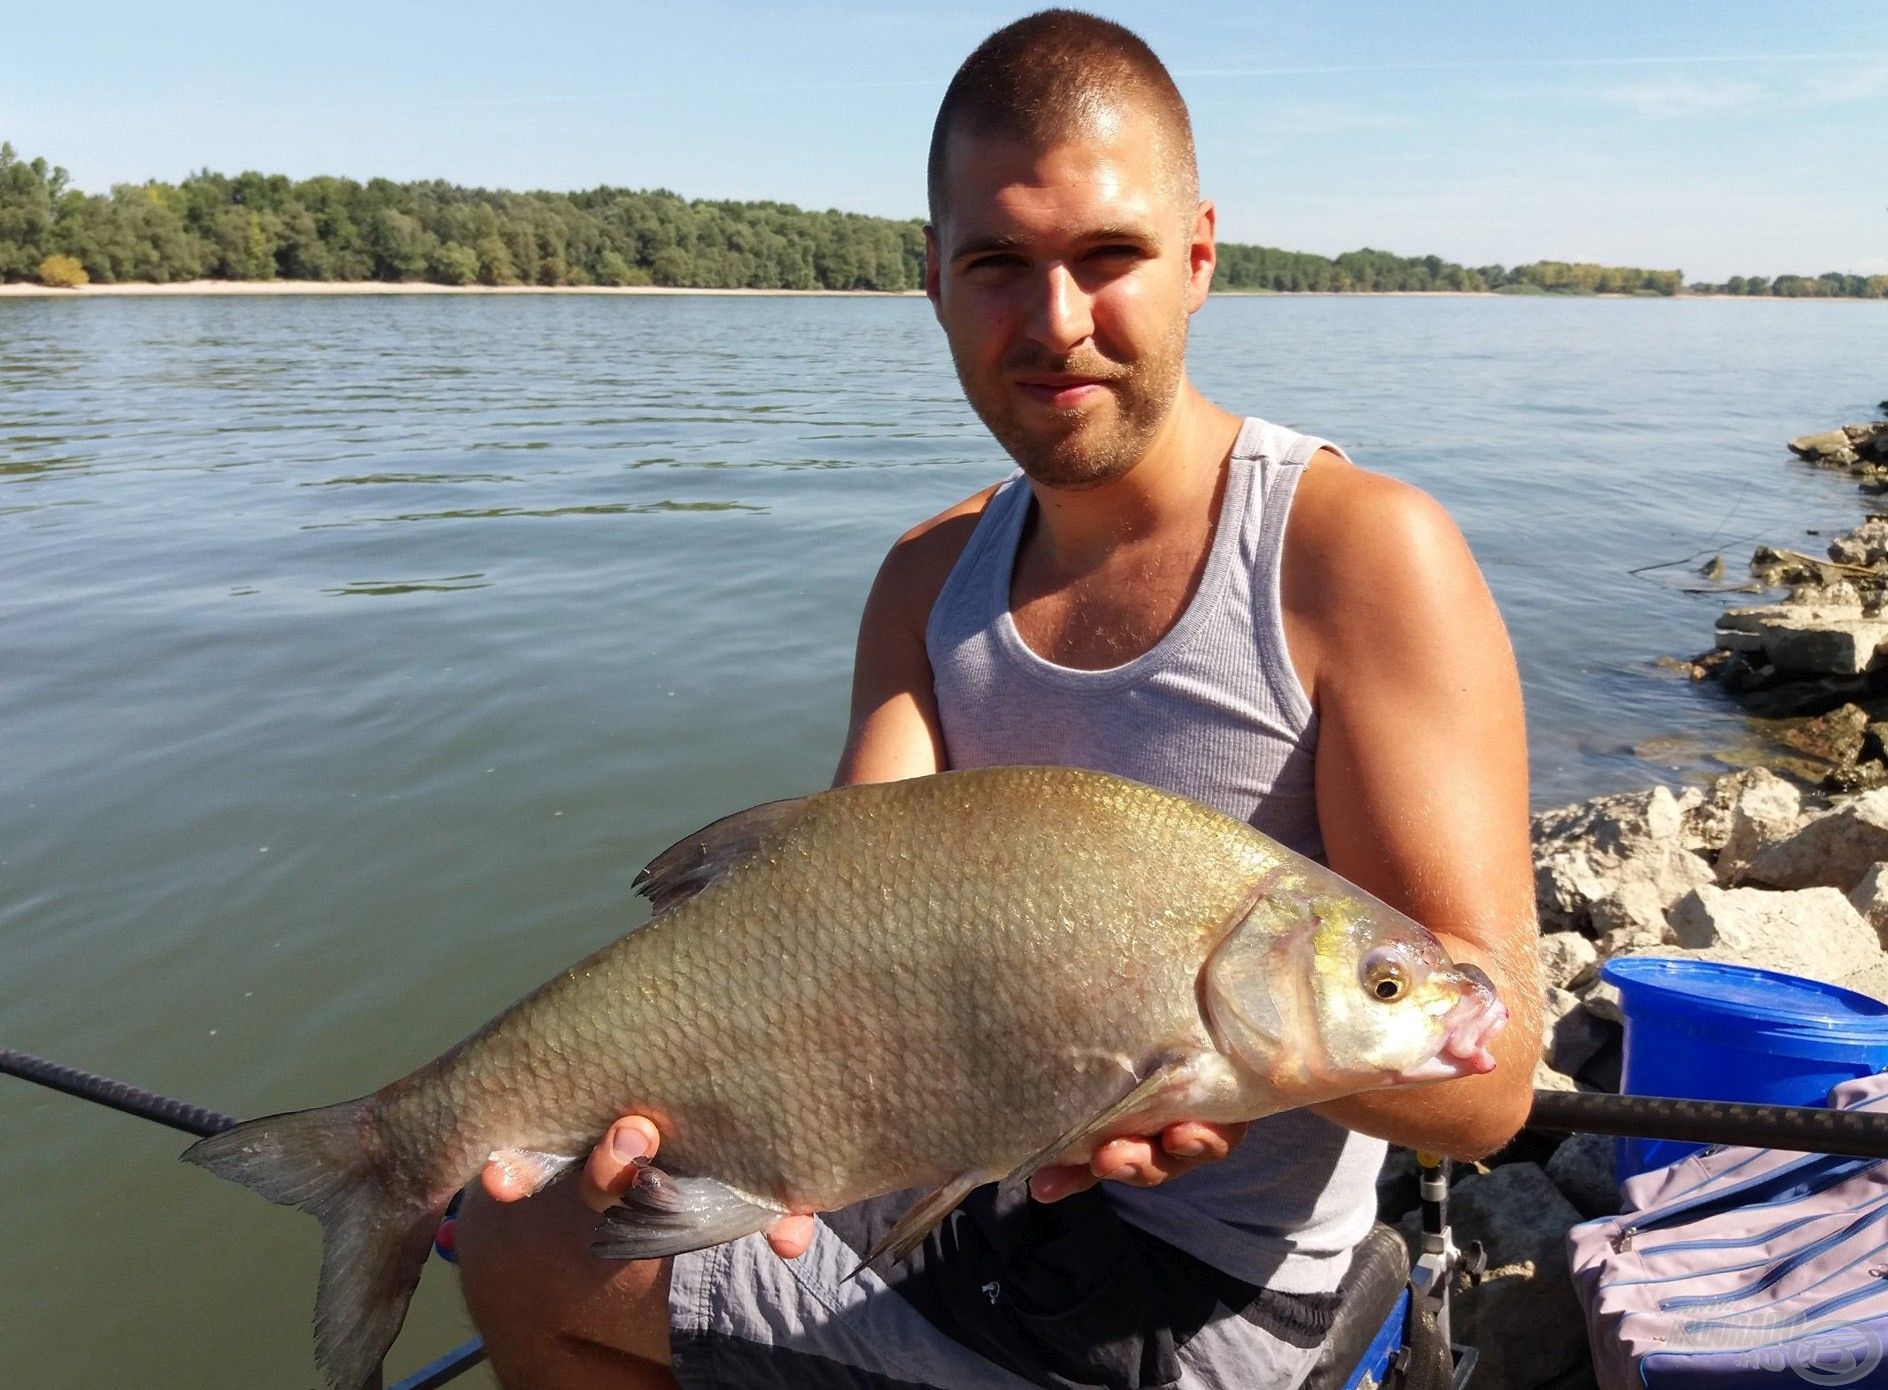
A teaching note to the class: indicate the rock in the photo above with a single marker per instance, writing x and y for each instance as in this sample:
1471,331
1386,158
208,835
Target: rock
1523,1315
1813,932
1567,958
1571,1036
1835,737
1870,899
1587,855
1856,777
1871,979
1833,850
1547,1079
1831,447
1601,999
1763,810
1867,544
1635,907
1827,640
1634,941
1582,1168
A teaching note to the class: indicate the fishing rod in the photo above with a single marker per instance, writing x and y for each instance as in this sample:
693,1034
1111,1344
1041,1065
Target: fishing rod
201,1121
1803,1128
1799,1128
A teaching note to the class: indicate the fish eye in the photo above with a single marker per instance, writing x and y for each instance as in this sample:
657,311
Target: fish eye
1384,975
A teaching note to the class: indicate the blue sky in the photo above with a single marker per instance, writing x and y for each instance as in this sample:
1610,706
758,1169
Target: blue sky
1722,138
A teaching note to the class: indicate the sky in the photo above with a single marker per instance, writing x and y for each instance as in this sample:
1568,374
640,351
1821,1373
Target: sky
1726,138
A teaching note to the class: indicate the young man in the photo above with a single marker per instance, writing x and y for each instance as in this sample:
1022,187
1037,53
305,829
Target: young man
1216,605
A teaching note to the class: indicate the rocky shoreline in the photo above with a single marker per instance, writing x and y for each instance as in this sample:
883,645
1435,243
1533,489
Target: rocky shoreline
1783,866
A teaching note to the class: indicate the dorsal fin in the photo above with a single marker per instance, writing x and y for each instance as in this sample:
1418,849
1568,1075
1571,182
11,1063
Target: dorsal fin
693,862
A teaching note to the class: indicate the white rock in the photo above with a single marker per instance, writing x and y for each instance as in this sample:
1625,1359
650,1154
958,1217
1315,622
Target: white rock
1835,849
1870,898
1815,639
1813,932
1601,999
1567,958
1765,811
1612,862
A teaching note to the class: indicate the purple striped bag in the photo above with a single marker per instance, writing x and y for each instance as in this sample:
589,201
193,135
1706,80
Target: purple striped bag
1740,1268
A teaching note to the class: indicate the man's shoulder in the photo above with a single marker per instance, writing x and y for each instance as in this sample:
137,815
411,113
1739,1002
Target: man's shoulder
1348,523
922,559
1363,549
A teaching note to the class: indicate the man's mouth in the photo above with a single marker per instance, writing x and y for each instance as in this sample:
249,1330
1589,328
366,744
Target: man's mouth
1060,392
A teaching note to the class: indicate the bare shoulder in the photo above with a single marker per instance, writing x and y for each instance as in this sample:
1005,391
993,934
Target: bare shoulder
921,560
1368,557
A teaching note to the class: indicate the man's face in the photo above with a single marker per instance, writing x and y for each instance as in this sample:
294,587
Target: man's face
1063,277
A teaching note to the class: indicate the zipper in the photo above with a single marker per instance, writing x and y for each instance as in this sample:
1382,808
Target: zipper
1735,1195
1783,1268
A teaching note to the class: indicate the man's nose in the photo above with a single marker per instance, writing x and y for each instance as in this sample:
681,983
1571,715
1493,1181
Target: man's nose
1061,318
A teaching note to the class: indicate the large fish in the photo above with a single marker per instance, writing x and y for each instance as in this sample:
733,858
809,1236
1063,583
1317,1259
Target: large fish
927,984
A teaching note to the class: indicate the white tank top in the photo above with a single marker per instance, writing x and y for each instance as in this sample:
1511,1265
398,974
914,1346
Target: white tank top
1213,711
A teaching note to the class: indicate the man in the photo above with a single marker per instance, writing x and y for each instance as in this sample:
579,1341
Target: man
1223,607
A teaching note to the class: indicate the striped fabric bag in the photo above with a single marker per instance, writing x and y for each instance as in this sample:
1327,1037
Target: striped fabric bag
1741,1268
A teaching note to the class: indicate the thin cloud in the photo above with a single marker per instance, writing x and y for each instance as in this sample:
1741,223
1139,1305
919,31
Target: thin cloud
1681,96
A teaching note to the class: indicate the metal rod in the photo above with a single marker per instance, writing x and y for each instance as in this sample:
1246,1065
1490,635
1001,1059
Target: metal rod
448,1367
1800,1128
198,1120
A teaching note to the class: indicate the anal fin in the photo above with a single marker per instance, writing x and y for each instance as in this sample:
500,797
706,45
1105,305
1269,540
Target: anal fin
1175,1073
920,1219
662,1215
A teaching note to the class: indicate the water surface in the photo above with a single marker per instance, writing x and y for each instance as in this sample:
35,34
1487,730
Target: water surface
357,652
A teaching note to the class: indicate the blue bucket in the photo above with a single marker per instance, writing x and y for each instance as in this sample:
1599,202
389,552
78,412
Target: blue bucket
1707,1030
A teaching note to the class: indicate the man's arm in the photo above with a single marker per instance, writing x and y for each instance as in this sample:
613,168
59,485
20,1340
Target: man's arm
894,731
1421,767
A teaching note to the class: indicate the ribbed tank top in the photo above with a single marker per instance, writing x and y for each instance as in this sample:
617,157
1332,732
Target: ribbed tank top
1213,711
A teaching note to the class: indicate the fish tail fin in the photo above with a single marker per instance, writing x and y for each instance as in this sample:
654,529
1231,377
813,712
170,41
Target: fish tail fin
374,1238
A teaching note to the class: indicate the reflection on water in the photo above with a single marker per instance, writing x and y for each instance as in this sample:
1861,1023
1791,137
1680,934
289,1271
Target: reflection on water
265,849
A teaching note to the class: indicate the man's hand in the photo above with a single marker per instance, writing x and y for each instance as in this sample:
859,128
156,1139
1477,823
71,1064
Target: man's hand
612,1168
1139,1160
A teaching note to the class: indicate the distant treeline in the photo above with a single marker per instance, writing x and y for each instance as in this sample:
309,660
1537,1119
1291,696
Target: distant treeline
268,227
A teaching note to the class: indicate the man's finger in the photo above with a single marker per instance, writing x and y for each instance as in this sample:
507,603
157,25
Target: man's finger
1198,1142
1060,1180
612,1165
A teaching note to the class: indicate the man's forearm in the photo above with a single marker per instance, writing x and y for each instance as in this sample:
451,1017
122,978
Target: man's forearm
1476,1115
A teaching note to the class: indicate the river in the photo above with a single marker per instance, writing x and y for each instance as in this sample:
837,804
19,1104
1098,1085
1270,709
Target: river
358,651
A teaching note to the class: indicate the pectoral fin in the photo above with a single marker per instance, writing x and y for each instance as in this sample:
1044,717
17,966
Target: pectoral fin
661,1215
921,1219
1175,1074
532,1168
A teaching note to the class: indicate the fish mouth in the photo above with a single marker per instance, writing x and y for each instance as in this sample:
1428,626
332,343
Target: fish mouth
1468,1030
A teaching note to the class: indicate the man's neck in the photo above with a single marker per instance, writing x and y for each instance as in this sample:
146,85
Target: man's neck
1169,491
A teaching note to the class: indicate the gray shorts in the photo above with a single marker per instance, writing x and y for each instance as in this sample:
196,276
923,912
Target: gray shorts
1005,1295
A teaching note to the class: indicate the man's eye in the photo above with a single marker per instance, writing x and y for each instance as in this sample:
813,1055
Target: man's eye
994,262
1124,251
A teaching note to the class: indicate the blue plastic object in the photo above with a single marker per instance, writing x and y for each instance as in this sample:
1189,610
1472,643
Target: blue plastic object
1709,1030
1373,1367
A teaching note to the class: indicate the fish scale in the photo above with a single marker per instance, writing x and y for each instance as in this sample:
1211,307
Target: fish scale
926,983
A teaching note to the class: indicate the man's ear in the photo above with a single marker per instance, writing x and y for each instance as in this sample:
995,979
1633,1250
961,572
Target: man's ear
1202,255
933,270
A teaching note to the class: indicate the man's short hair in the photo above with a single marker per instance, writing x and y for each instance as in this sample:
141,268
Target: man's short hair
1046,78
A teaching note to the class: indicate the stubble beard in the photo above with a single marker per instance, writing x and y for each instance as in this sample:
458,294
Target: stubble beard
1092,450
